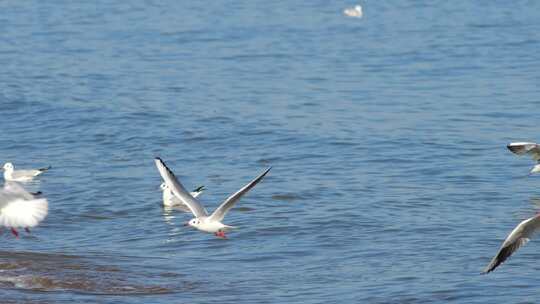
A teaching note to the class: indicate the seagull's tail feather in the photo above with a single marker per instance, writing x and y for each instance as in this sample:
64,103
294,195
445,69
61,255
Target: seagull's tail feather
227,227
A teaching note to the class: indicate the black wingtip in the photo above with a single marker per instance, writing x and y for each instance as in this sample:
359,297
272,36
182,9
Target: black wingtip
266,172
44,169
161,161
199,189
486,271
164,165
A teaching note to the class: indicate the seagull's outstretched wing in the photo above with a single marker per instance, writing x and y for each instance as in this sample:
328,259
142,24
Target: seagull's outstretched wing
19,208
220,212
17,190
522,148
178,190
517,238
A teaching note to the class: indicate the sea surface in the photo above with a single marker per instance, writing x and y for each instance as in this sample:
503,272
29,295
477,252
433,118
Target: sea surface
390,179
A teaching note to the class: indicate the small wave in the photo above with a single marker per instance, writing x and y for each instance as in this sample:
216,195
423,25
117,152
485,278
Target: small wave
83,275
78,285
288,197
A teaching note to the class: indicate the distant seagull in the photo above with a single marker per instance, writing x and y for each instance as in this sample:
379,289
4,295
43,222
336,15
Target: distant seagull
203,221
354,12
517,238
10,174
169,200
20,209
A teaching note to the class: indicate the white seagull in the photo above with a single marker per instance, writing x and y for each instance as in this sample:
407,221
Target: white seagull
522,148
169,200
20,209
355,11
203,221
10,174
517,238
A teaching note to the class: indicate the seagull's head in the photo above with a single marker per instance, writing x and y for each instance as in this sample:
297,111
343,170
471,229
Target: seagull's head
358,8
193,223
163,186
8,166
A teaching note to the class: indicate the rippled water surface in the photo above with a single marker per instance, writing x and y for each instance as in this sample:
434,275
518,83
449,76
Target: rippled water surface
391,182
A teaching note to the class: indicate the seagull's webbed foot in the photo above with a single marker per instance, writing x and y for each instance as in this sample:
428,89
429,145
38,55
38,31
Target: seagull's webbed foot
15,232
220,234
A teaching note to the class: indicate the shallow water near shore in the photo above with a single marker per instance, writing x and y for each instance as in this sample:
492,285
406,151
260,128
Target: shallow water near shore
390,179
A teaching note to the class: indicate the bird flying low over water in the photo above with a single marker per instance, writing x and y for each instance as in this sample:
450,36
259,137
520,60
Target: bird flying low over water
169,200
530,148
202,221
21,209
10,174
517,238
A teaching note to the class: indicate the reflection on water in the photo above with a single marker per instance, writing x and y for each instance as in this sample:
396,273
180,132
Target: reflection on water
86,275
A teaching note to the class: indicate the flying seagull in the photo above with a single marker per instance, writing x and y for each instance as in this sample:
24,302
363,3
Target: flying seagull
202,221
10,174
522,148
169,200
517,238
20,209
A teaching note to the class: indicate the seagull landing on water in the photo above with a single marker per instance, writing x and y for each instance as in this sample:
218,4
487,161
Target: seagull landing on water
522,148
20,209
10,174
203,221
355,11
517,238
169,200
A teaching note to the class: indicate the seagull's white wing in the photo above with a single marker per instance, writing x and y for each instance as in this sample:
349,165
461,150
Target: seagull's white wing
23,213
522,148
17,190
517,238
220,212
178,190
21,209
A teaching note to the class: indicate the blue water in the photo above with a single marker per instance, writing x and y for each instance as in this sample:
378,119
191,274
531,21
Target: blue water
391,182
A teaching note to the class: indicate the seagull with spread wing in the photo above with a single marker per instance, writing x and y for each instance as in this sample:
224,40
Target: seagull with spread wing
202,221
517,238
20,208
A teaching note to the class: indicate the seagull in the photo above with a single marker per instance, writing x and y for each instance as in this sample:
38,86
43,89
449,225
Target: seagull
355,11
20,209
169,200
517,238
203,221
10,174
522,148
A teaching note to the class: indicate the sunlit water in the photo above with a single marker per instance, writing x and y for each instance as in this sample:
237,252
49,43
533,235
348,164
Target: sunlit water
390,182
